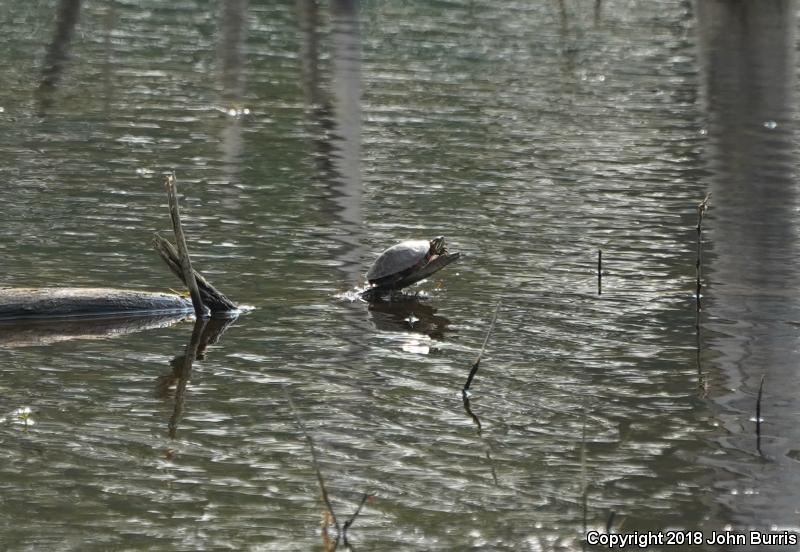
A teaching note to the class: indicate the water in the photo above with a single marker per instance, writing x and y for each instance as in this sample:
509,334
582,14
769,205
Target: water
308,138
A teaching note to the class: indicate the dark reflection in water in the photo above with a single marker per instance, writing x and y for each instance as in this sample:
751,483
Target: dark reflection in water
479,427
205,332
22,333
109,27
748,76
408,314
58,52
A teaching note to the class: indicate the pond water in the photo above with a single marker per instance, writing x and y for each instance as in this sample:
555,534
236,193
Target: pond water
308,137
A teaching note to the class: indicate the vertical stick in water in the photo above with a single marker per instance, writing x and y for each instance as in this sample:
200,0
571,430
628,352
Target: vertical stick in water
701,209
758,415
599,271
183,251
758,405
480,354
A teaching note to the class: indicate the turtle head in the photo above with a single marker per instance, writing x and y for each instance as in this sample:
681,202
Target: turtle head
438,246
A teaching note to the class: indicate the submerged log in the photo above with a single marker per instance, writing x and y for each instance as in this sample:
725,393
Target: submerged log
86,302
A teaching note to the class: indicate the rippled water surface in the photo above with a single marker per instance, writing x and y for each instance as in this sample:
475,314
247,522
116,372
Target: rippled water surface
308,137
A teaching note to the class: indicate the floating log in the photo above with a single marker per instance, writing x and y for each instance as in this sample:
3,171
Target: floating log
86,302
67,302
70,302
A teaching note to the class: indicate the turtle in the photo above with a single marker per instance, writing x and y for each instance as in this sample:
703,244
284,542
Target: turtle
395,266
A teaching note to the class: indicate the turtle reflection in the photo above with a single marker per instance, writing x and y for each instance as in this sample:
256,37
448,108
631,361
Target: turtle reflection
408,313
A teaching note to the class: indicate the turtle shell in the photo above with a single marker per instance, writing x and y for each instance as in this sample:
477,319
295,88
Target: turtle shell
399,258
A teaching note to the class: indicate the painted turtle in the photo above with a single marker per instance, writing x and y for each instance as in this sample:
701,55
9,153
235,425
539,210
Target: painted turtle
399,266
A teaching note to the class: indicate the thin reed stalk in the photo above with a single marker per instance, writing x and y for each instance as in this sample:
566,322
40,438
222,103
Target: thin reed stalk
599,272
701,209
758,405
474,369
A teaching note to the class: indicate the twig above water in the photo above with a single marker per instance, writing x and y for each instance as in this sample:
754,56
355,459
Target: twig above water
599,271
183,250
474,369
758,405
701,209
758,415
212,297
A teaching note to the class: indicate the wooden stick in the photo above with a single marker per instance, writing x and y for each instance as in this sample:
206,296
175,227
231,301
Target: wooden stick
758,405
758,416
183,251
212,297
599,271
701,209
483,348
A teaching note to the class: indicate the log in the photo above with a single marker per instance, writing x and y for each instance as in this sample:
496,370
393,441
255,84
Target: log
86,302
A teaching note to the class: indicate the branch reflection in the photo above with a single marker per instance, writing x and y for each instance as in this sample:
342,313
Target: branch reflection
205,332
